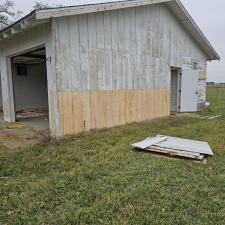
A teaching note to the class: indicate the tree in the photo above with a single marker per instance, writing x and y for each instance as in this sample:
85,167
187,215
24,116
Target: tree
8,13
40,5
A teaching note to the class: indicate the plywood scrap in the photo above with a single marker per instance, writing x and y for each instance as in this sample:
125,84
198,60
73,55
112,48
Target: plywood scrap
176,147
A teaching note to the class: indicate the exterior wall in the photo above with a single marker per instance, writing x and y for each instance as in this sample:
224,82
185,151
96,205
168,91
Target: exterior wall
31,91
111,65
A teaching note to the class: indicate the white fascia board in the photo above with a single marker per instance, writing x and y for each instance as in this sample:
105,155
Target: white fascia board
77,10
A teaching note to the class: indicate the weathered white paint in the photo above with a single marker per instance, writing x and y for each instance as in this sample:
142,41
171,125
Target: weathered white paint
175,6
120,50
7,89
30,92
149,142
186,145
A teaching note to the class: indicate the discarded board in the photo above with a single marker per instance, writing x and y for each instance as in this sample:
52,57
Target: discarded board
149,142
176,147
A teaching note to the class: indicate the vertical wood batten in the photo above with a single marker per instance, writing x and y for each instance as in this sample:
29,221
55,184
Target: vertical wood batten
82,111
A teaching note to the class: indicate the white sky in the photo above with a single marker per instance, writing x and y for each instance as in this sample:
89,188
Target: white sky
209,15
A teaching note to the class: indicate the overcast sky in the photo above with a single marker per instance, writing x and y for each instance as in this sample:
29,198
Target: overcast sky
209,15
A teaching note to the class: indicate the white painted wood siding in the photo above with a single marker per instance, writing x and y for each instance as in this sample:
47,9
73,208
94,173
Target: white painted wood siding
121,49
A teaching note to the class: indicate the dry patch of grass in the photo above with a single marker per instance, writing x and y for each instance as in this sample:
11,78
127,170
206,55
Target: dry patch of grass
98,179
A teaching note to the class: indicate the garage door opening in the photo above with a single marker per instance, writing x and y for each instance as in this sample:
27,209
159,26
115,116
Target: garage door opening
29,76
175,90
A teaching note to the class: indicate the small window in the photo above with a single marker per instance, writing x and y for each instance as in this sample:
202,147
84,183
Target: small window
195,65
21,70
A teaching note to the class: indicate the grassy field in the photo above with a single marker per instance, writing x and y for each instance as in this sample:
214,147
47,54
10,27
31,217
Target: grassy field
98,179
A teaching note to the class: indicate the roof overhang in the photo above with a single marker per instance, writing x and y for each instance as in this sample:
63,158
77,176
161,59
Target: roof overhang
22,25
189,24
39,17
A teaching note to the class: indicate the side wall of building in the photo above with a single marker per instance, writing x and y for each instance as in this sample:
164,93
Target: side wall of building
114,67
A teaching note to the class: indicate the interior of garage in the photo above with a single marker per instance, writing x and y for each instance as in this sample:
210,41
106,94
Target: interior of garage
29,75
175,90
1,102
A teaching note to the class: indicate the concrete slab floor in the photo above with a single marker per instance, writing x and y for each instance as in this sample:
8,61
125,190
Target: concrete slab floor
35,131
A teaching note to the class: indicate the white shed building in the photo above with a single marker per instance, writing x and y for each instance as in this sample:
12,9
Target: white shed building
103,65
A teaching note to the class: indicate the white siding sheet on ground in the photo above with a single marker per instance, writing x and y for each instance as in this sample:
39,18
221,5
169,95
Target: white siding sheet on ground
186,145
149,142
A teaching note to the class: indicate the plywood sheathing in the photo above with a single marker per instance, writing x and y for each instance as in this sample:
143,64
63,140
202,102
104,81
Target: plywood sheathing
82,111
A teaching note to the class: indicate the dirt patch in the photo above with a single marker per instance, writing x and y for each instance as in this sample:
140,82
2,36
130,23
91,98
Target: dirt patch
33,131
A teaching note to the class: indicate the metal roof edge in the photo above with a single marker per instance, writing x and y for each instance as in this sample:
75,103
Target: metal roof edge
82,9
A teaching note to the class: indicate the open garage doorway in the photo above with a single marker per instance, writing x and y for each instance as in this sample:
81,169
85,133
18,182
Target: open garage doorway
29,76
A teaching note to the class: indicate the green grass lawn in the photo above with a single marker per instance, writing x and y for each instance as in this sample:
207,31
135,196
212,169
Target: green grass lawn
98,179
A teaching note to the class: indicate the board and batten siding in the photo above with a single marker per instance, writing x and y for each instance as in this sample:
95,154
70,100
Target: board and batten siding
113,67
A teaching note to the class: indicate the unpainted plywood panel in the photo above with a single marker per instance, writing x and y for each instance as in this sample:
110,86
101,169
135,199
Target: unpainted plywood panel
82,111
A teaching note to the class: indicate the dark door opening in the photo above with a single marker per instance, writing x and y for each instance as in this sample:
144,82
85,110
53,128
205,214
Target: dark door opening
175,90
1,100
29,75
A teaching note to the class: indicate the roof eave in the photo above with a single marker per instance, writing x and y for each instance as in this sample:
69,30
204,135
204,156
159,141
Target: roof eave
22,25
188,22
39,17
100,7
